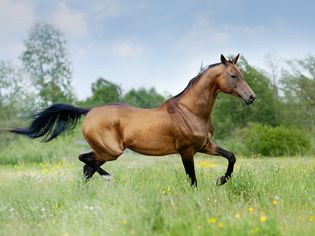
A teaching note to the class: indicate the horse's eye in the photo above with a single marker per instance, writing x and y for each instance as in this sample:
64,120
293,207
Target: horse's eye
233,76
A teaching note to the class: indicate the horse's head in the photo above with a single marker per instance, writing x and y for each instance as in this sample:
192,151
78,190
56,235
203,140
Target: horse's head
231,81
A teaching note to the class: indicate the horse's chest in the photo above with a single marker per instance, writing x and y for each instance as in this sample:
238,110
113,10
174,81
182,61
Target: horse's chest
199,138
193,136
191,130
198,134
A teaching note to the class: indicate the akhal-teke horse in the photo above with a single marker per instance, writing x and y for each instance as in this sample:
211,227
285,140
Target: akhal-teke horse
182,124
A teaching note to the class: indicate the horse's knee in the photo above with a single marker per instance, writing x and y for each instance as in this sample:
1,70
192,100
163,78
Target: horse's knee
227,154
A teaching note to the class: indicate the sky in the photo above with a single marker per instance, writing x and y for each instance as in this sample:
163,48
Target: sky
160,44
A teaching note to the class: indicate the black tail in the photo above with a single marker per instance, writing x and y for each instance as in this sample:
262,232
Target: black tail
52,121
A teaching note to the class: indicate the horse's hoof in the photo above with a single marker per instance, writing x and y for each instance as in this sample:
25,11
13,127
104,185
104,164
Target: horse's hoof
222,180
107,177
88,171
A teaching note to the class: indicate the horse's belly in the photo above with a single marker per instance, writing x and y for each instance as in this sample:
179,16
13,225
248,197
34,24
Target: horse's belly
153,151
153,146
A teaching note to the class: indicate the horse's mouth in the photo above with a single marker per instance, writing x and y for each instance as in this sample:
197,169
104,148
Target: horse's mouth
250,100
247,102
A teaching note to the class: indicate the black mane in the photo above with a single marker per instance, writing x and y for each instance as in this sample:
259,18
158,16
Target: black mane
197,77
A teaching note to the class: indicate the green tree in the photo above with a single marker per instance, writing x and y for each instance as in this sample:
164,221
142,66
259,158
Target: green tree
103,92
16,97
299,85
143,98
231,113
46,59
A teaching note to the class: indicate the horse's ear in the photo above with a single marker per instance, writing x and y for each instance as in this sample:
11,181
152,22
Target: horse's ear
234,60
223,60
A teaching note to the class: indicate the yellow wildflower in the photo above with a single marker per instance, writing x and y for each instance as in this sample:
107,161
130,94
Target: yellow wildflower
221,225
237,216
263,218
212,220
274,202
206,164
250,209
311,218
125,222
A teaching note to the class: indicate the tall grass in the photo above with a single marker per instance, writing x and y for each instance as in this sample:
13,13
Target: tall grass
152,196
17,149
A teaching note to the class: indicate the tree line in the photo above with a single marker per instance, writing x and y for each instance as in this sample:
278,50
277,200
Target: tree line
283,99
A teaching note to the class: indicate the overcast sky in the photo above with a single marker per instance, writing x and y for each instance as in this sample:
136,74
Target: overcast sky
160,43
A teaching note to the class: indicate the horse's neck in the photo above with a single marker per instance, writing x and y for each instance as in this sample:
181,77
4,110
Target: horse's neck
200,97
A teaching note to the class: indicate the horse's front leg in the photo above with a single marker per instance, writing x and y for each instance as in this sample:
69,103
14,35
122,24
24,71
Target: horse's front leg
213,149
188,162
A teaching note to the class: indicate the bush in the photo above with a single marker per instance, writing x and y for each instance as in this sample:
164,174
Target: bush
276,141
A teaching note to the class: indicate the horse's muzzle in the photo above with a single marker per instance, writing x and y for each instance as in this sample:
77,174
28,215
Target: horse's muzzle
250,100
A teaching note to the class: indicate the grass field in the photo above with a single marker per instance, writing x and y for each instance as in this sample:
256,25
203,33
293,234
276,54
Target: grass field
151,196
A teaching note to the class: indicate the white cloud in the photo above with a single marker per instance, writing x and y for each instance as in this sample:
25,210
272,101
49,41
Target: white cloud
100,10
71,22
16,16
206,36
127,49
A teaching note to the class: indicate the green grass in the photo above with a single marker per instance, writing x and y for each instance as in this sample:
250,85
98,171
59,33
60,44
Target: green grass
151,196
15,149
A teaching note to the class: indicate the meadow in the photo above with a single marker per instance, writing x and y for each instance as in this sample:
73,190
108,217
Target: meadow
152,195
272,190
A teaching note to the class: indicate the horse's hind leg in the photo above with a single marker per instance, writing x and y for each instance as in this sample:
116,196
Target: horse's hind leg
92,165
105,142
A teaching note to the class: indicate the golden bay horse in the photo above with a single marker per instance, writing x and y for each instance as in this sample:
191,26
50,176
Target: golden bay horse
181,124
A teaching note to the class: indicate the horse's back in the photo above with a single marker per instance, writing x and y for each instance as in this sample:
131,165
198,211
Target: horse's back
108,115
103,119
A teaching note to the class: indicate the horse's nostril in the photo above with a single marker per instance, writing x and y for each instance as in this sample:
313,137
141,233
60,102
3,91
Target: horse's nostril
252,97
